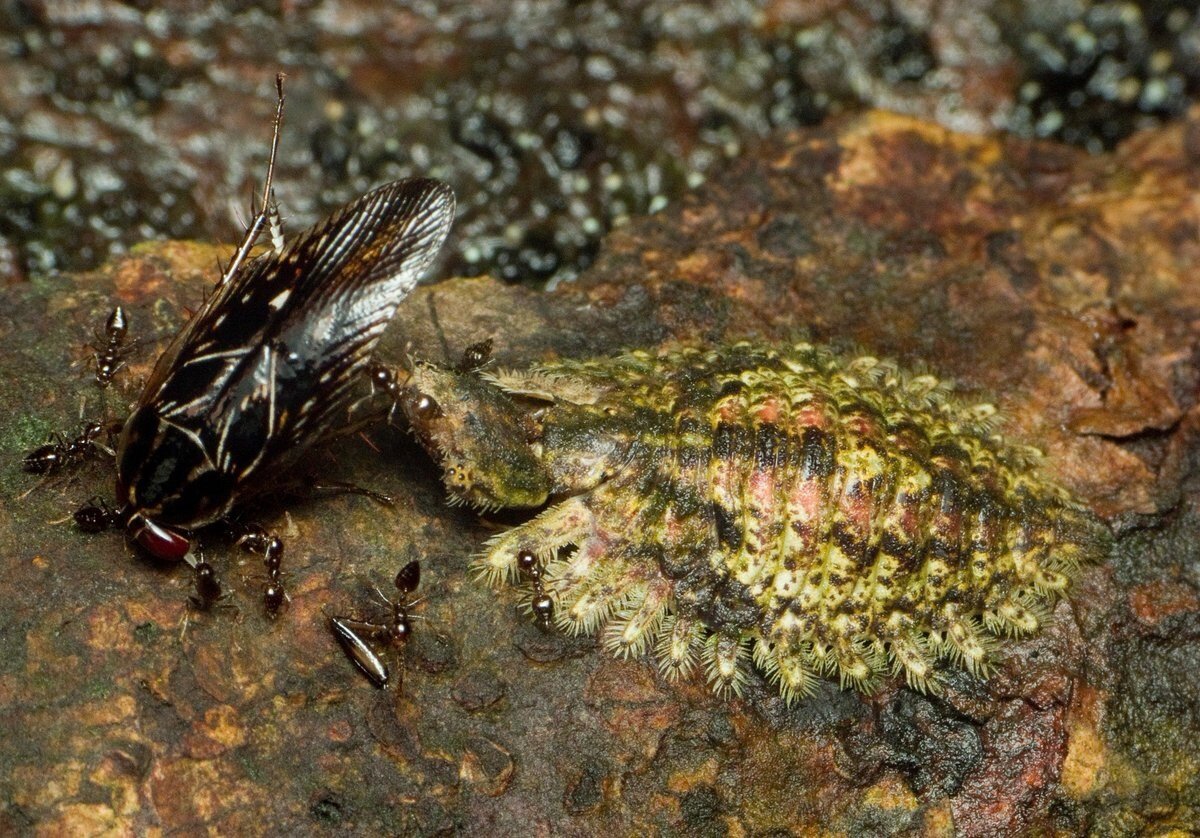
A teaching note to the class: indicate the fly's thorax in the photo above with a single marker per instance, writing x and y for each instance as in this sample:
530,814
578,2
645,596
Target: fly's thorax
164,473
486,443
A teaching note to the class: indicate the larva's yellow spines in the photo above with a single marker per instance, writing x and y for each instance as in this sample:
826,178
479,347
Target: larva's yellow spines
827,515
858,664
558,526
911,658
786,668
587,598
495,567
678,646
633,629
725,658
1015,618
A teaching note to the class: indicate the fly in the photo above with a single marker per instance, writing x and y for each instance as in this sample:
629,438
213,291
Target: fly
268,366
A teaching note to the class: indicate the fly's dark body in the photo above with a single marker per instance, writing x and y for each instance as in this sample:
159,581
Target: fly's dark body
354,635
268,366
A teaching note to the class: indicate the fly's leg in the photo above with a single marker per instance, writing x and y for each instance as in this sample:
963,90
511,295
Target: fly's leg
339,487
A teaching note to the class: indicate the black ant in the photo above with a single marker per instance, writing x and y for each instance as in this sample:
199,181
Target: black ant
258,540
111,357
97,516
541,605
353,634
208,587
206,593
60,453
475,356
385,379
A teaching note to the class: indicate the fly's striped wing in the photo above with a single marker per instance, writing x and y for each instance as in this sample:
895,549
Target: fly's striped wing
268,364
377,256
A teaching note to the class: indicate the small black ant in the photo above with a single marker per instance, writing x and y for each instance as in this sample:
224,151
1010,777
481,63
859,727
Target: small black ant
475,356
208,587
60,453
207,590
111,357
384,378
541,605
406,583
97,516
352,634
258,540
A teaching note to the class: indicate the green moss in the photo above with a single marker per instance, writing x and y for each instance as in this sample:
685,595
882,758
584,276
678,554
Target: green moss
98,689
24,432
146,633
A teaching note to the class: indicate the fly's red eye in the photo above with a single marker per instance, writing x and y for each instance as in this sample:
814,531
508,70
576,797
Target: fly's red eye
159,542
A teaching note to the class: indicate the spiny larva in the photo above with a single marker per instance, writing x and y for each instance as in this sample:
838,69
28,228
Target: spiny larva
815,513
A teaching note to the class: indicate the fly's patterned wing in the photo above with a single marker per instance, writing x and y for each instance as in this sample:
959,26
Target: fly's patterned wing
267,366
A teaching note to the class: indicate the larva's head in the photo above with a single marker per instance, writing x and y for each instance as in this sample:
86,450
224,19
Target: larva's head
486,445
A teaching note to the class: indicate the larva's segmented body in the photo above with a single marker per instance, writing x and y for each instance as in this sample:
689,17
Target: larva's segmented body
818,513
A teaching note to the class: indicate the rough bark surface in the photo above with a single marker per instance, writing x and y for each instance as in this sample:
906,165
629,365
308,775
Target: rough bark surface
1061,284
